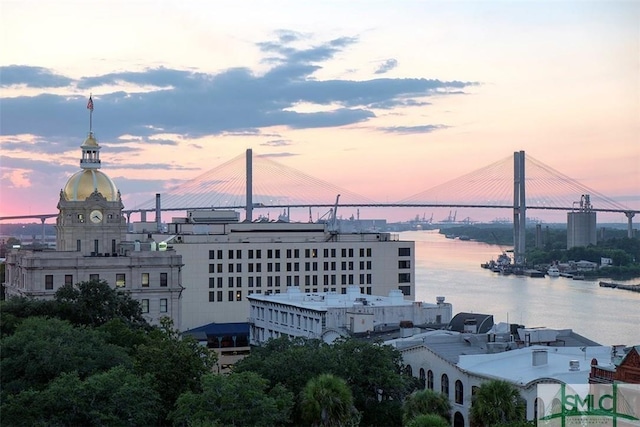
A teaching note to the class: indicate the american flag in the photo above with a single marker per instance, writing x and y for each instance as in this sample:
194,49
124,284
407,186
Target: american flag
90,104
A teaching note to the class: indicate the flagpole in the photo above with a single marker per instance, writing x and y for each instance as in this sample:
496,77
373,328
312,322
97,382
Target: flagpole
91,115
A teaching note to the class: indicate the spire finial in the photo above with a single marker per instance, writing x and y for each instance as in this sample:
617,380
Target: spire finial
90,108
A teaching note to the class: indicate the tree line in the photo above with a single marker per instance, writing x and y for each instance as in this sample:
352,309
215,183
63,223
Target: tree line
89,358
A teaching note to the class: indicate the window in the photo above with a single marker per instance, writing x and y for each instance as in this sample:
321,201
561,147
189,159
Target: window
212,268
430,379
368,252
163,305
444,384
48,281
250,254
212,296
96,246
113,246
145,280
163,279
408,370
344,252
361,252
404,251
258,268
219,254
404,263
68,279
219,283
459,392
230,282
120,280
238,295
404,277
325,252
230,295
230,253
238,254
94,277
78,245
145,305
212,254
406,290
212,282
269,253
80,217
219,296
230,268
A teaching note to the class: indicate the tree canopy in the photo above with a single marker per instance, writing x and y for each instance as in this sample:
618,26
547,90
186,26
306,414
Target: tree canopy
497,402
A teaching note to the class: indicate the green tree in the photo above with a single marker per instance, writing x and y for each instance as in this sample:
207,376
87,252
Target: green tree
326,400
377,378
497,402
41,349
373,371
237,399
427,420
177,364
16,309
116,397
423,402
95,303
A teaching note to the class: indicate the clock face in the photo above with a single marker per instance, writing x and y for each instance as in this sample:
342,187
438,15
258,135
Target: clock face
96,216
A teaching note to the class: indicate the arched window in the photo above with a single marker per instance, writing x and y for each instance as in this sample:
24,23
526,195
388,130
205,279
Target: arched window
444,384
459,392
458,420
430,379
423,378
408,370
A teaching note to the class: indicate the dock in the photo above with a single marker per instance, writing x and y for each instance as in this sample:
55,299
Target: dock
533,273
632,288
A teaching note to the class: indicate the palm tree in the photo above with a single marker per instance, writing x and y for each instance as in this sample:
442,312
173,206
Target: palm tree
326,400
424,402
497,402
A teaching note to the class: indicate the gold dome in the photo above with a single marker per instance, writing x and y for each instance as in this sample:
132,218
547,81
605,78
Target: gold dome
83,183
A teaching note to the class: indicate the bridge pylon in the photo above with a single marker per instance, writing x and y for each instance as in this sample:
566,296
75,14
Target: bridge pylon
519,207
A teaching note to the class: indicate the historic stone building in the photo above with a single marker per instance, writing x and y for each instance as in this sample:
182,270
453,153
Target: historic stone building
91,244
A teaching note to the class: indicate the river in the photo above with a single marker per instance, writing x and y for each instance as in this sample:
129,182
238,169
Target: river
451,268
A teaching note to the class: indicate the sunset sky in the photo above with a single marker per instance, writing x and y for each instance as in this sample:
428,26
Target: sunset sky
383,98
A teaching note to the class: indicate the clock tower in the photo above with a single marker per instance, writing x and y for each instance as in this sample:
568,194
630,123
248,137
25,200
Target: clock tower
90,217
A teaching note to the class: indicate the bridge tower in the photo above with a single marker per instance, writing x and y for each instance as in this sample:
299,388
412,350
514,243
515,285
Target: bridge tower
519,207
249,190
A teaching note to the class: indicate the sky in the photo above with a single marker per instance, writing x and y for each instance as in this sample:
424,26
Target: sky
383,98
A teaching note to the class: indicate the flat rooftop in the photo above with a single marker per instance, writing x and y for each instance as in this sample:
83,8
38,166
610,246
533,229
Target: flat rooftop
324,300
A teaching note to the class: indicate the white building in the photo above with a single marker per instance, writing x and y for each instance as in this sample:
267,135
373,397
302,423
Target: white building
225,261
91,244
456,363
329,315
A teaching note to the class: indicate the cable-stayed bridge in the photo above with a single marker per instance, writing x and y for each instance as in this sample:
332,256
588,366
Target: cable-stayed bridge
274,185
248,182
